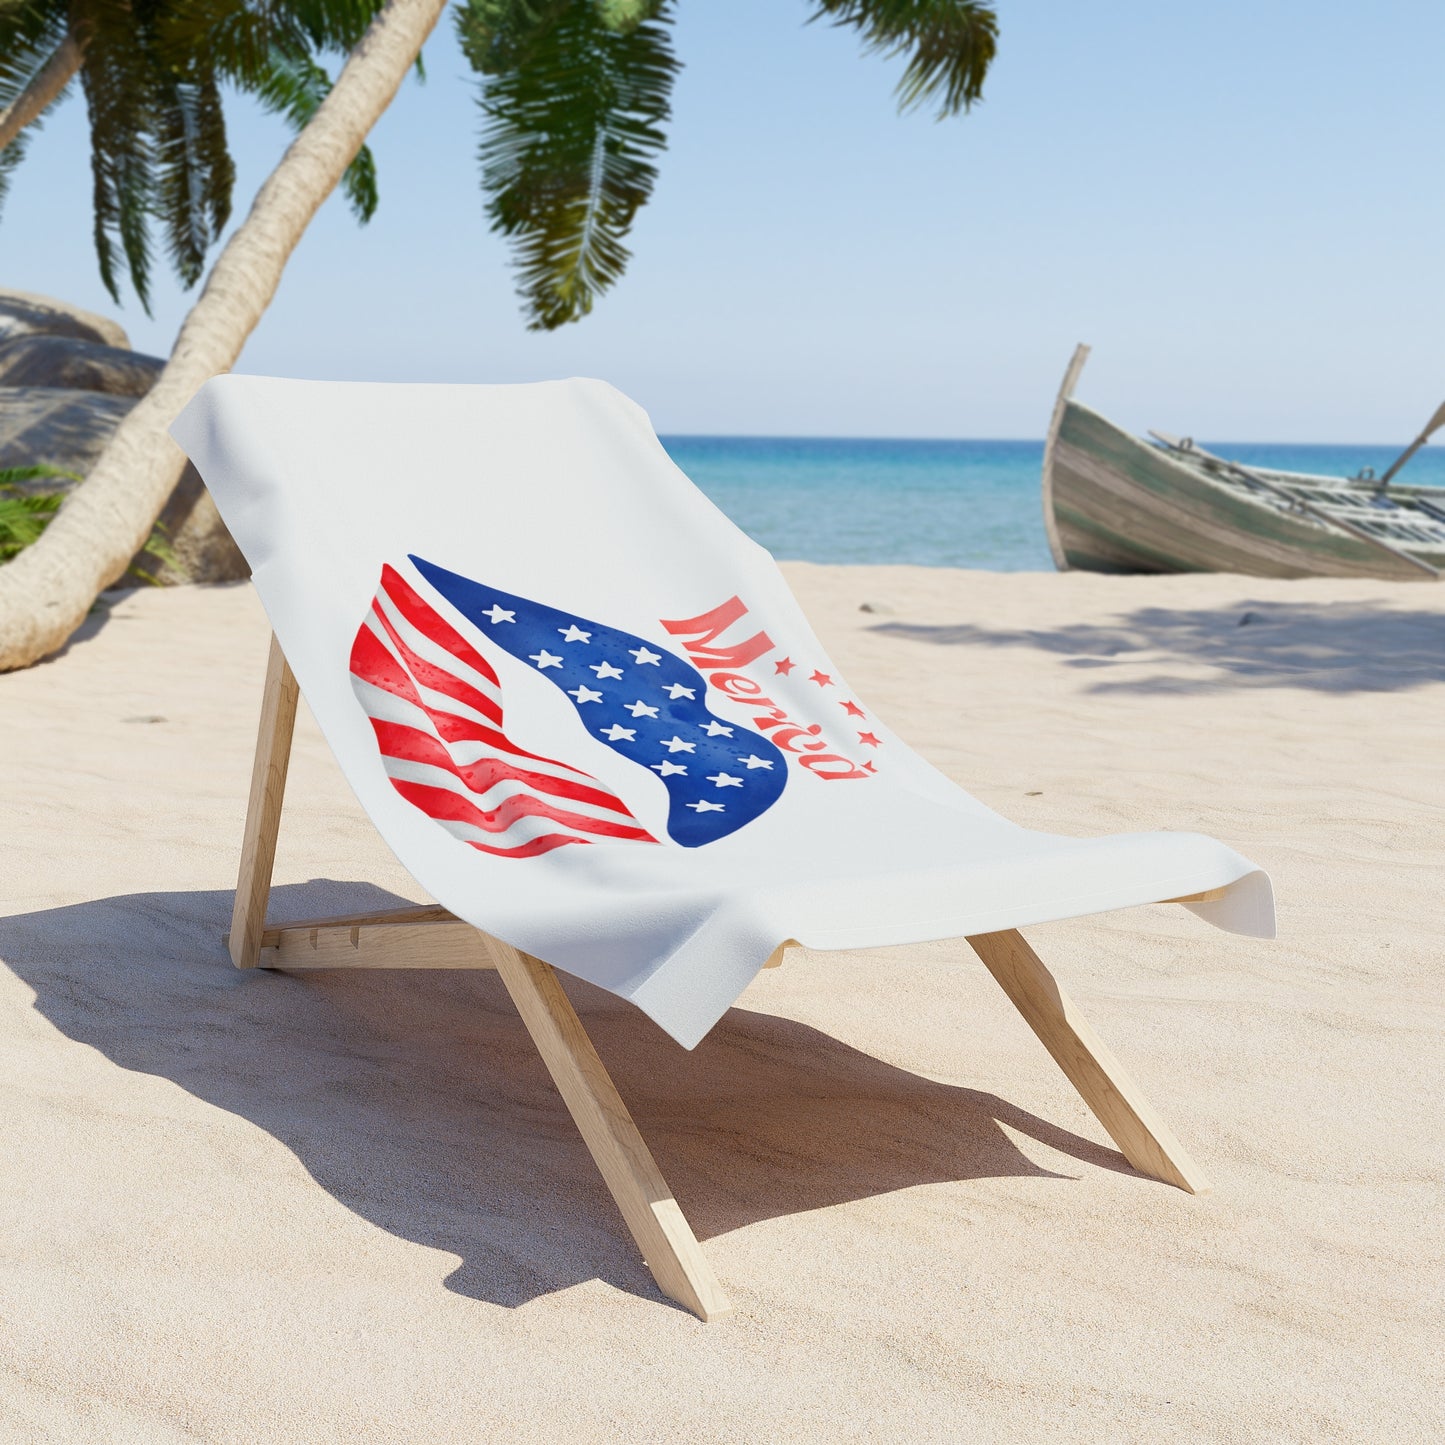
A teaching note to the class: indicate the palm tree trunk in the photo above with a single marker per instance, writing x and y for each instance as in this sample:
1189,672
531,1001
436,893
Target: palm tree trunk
45,86
47,590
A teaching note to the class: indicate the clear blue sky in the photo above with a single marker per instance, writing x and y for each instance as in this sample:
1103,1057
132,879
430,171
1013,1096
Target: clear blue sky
1239,204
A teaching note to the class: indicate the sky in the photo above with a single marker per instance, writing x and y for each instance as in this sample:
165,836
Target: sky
1238,205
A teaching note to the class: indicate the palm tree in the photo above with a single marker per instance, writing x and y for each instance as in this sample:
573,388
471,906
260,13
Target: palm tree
575,93
152,76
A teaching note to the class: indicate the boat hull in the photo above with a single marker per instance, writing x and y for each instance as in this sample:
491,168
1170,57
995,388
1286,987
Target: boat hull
1116,504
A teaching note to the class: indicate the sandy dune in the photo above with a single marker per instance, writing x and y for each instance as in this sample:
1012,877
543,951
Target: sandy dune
349,1208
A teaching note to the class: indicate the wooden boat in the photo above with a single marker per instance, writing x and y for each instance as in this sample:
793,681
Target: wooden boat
1116,503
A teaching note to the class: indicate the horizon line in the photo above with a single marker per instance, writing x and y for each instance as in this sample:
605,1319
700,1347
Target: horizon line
1008,441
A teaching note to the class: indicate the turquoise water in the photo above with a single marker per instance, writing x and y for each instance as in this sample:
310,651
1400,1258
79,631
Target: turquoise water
932,503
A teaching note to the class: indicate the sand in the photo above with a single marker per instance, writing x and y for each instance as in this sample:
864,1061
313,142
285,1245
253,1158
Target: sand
259,1208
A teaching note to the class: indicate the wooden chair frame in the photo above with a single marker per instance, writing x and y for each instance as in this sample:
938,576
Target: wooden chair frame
429,936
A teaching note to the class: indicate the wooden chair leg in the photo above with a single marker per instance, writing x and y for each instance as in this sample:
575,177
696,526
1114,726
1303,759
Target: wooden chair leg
1142,1136
263,811
662,1233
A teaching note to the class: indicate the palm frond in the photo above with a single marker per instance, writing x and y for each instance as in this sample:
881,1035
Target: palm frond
152,73
117,78
29,36
23,515
335,25
624,14
294,85
237,39
950,45
269,51
574,108
10,158
498,35
11,477
194,170
157,545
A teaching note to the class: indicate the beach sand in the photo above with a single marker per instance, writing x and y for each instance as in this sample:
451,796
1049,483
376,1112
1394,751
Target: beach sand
259,1208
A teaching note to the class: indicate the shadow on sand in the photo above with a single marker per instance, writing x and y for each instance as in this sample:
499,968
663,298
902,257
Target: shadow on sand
416,1099
1320,647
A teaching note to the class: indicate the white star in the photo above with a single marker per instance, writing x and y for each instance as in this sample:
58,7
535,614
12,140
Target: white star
754,762
677,690
499,614
614,733
716,730
667,769
641,709
643,655
573,633
725,780
675,744
604,670
545,659
585,694
706,807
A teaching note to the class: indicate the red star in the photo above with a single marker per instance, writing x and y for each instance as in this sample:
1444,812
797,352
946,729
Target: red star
869,739
785,666
852,709
822,679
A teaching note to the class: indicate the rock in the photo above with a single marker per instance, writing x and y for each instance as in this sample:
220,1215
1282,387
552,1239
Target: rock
882,608
23,313
69,429
204,550
69,362
56,425
67,378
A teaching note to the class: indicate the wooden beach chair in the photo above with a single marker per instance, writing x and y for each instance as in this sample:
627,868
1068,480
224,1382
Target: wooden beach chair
556,823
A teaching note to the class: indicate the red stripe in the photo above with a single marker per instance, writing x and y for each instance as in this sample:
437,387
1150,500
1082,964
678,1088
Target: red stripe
453,729
382,670
437,678
427,621
447,806
544,844
397,740
372,662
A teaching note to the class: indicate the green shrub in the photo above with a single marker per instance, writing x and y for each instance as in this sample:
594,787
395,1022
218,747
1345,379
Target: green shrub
25,515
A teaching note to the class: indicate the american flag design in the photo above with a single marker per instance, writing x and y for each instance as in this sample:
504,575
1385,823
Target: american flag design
435,703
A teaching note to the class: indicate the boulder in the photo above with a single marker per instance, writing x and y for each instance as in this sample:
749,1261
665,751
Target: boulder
202,548
69,429
23,313
67,361
67,378
57,425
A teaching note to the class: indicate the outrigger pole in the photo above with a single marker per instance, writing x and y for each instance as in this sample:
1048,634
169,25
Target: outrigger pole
1431,427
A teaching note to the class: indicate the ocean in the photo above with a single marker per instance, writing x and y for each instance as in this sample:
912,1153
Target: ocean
933,503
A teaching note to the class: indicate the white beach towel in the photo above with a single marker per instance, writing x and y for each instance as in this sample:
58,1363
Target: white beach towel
586,713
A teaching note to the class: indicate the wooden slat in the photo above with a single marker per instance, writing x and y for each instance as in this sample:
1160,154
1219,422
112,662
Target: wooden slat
437,944
775,958
662,1233
263,810
1142,1136
407,913
1208,896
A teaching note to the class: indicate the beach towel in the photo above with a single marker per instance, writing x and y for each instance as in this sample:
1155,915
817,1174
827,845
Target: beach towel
587,715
